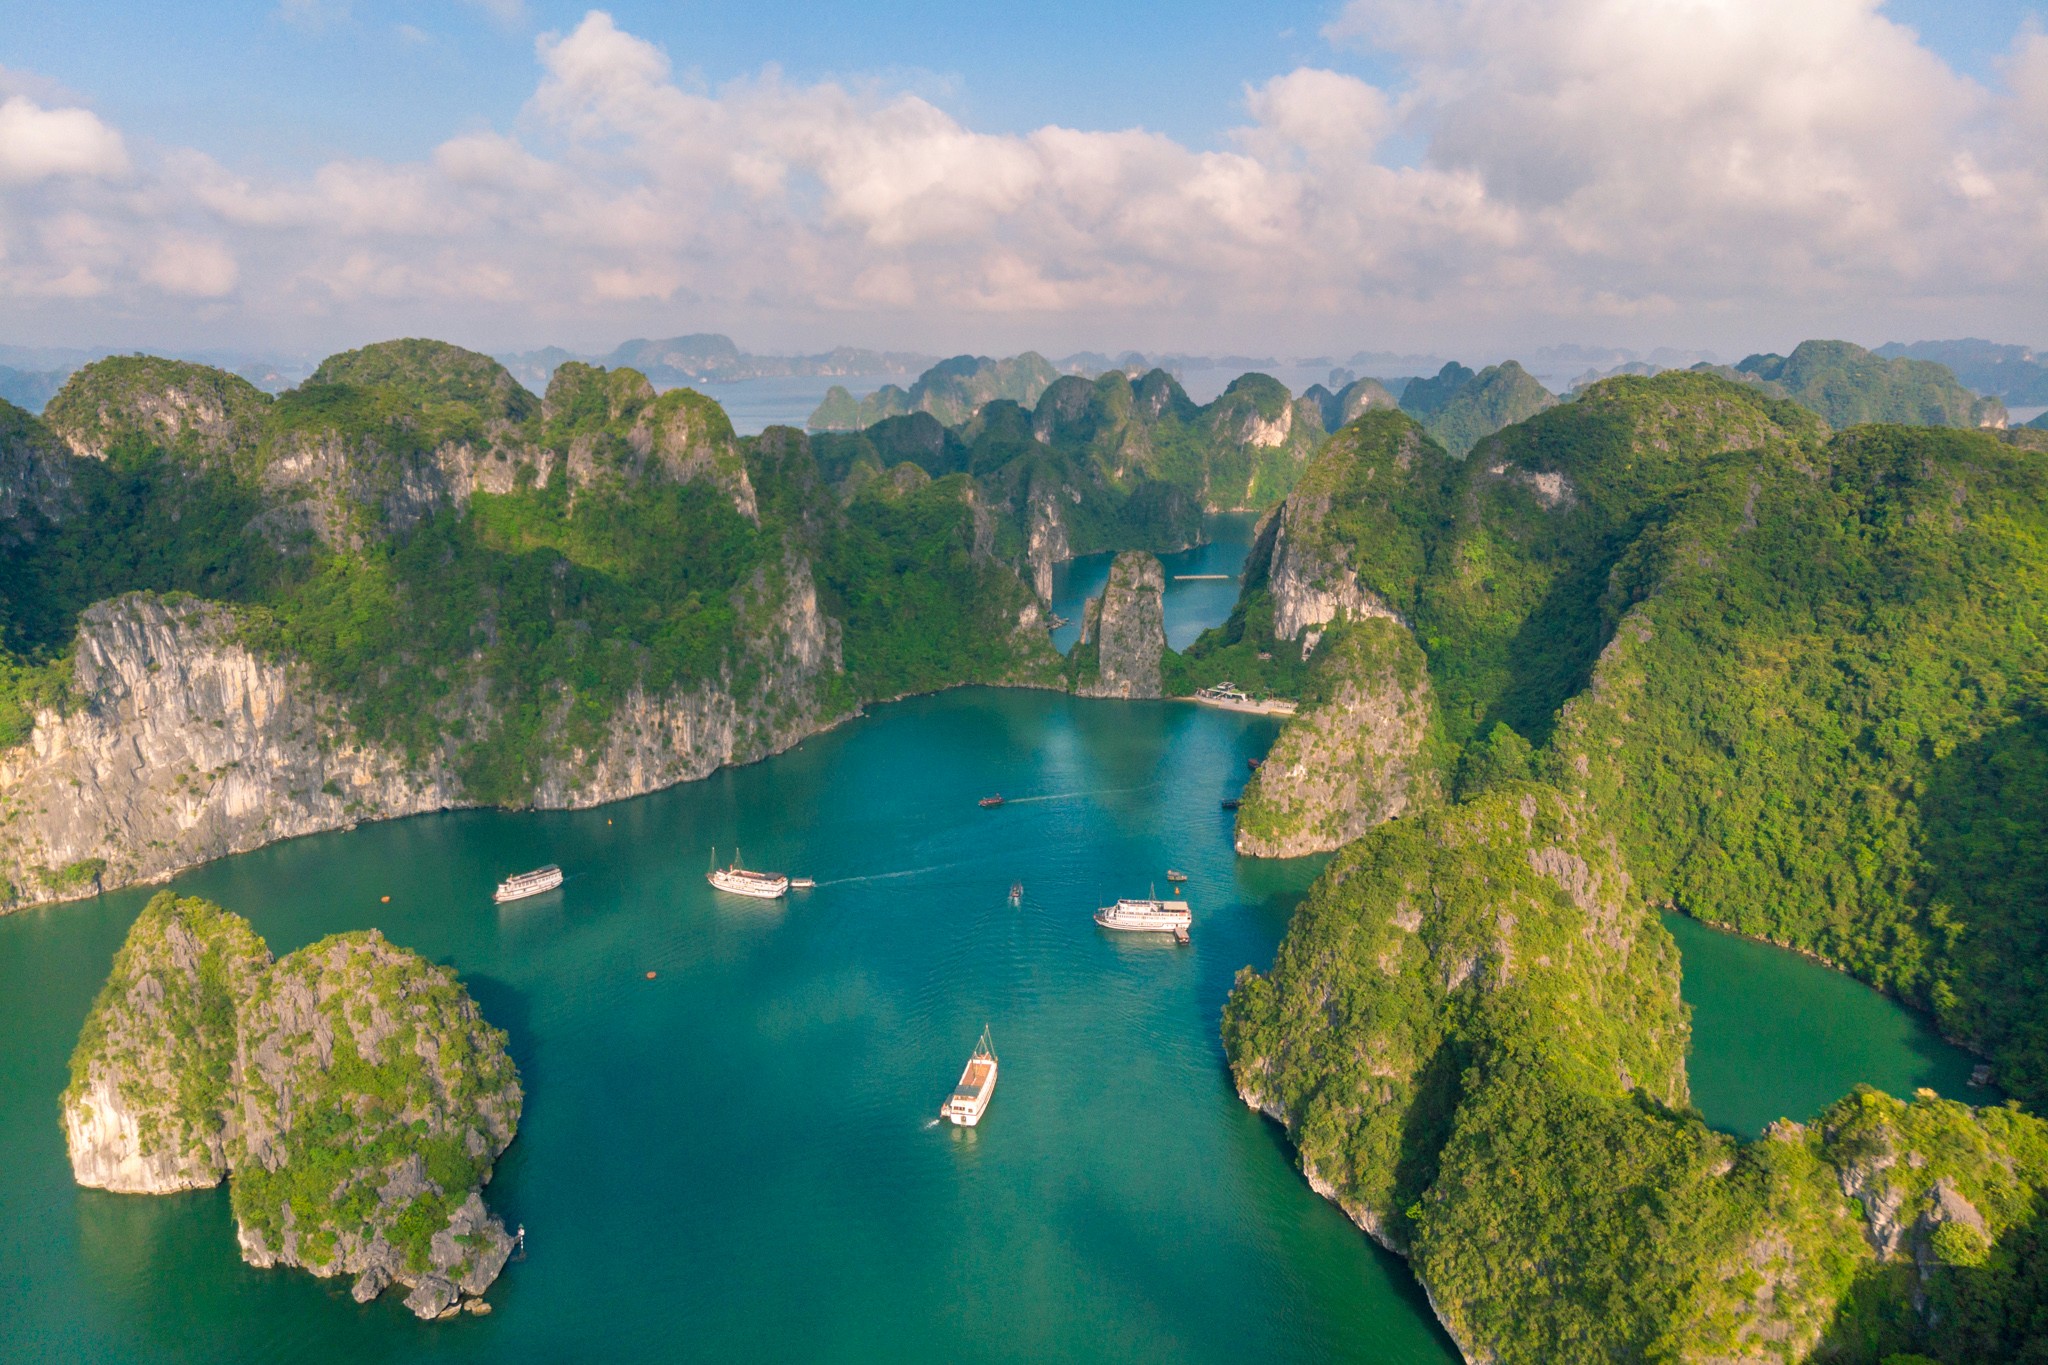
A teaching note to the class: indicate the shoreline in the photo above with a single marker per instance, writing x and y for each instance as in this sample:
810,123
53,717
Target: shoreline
859,712
1272,707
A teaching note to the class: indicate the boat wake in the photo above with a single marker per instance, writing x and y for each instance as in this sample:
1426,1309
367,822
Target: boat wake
889,876
1075,796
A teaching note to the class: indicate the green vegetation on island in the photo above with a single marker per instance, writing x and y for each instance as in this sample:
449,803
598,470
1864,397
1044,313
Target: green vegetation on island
1790,682
1849,385
1460,408
482,578
352,1092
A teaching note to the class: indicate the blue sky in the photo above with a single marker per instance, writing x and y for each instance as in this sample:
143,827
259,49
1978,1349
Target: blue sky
1485,197
280,84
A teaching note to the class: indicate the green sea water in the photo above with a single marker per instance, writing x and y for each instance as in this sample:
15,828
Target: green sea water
736,1160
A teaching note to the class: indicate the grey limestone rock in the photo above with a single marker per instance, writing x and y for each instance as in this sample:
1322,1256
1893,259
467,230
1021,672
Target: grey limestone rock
1127,627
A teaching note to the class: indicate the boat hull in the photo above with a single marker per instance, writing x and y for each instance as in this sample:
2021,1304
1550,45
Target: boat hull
969,1100
508,892
753,888
1156,917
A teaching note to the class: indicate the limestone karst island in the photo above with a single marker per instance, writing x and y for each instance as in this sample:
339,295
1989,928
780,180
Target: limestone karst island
1329,680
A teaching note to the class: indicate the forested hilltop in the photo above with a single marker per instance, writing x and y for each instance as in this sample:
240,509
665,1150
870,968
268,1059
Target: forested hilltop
1675,643
411,583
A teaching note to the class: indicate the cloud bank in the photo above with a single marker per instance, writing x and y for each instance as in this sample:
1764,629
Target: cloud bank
1718,171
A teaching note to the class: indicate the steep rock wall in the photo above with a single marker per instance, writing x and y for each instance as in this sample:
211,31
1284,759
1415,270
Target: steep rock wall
1127,626
1046,546
185,746
1310,586
1367,753
143,1113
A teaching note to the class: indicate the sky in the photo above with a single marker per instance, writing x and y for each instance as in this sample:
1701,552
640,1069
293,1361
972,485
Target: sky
1456,176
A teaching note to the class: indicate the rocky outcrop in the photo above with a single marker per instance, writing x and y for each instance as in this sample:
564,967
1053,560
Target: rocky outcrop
204,412
145,1110
184,745
1403,944
370,1100
1366,755
35,475
1312,586
1046,545
1126,628
352,1090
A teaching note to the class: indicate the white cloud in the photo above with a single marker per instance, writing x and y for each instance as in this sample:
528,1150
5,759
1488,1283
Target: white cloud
38,143
1677,166
192,267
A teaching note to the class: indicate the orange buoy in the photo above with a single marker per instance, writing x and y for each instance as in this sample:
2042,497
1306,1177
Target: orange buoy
387,900
650,976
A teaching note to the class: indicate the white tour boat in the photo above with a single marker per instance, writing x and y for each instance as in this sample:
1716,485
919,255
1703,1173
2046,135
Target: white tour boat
764,886
1148,916
527,884
969,1100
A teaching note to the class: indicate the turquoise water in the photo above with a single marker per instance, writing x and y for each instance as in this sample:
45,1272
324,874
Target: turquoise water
1776,1035
735,1159
1191,607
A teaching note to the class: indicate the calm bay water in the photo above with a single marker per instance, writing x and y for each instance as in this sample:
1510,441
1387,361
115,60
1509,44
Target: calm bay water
1191,606
736,1159
1776,1035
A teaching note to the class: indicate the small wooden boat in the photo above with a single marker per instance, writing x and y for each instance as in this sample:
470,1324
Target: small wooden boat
1175,875
1016,893
1231,803
1253,763
739,881
969,1100
526,884
995,800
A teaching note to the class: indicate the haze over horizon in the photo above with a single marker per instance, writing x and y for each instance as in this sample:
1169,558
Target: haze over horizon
1471,177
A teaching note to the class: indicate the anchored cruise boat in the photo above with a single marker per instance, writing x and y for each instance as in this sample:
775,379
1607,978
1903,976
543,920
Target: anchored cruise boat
524,884
1148,916
969,1100
764,886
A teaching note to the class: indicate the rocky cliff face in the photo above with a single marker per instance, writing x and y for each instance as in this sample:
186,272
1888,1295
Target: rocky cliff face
1311,584
370,1101
1046,544
35,475
1127,627
1367,753
144,1113
655,742
184,746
